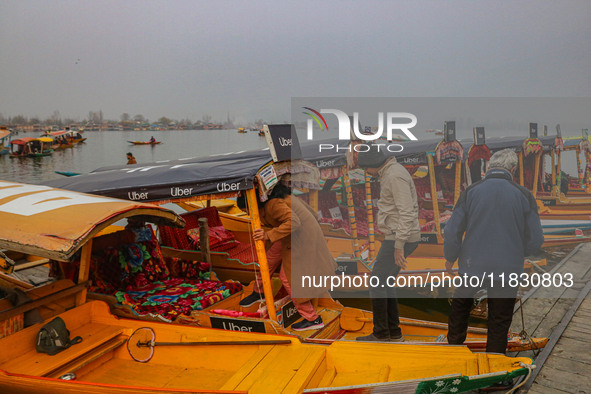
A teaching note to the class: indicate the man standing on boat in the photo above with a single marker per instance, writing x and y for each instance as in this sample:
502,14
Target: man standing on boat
398,220
494,225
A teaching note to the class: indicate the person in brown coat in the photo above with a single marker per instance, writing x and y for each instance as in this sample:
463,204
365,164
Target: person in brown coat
303,250
130,158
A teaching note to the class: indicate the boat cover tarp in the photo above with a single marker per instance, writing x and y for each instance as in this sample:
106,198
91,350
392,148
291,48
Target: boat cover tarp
22,141
184,178
229,172
55,223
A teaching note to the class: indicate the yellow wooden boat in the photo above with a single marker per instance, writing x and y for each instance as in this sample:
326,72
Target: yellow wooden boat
123,355
554,213
42,235
228,314
128,356
250,163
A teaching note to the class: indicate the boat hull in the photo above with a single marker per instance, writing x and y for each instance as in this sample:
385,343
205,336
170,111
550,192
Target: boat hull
102,362
144,143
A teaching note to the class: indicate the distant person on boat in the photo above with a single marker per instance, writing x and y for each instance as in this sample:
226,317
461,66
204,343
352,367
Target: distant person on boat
294,226
152,140
398,219
494,225
130,158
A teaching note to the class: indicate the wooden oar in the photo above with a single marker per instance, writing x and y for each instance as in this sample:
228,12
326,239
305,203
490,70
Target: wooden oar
353,319
141,343
215,343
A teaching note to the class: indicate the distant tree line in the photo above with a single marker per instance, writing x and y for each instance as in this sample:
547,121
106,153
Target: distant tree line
96,120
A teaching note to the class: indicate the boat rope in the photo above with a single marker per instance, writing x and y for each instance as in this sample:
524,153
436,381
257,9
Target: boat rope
530,368
537,267
524,334
11,262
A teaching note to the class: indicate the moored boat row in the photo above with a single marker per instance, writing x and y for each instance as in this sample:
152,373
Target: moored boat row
175,357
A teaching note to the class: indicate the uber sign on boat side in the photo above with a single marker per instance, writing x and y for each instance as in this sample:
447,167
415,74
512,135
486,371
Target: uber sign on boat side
237,324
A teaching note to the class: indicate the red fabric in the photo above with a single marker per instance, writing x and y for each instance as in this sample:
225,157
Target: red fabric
478,152
218,236
179,238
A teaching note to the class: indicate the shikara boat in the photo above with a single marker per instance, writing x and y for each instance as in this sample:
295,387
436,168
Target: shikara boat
4,140
20,147
62,139
42,146
145,142
552,213
128,356
213,178
565,226
578,145
124,355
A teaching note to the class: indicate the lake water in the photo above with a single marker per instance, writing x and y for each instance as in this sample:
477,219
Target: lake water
107,148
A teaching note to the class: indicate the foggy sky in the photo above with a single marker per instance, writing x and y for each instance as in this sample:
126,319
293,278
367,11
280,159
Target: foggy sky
183,59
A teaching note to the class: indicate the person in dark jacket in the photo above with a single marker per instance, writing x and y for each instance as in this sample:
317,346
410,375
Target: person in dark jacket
494,225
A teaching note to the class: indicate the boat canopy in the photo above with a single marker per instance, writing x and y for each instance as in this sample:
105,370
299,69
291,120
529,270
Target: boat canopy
499,143
572,143
54,223
44,139
4,133
22,141
186,178
56,133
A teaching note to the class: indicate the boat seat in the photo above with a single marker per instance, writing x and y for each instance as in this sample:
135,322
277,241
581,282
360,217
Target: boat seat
278,369
40,364
89,357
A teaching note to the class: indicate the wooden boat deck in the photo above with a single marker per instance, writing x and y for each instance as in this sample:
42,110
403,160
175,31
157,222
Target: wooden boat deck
157,375
568,365
562,314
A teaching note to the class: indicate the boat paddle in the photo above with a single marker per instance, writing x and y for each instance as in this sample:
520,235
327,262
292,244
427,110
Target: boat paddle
142,342
353,319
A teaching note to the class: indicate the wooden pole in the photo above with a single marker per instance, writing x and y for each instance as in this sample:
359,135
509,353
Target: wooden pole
587,172
458,181
255,221
579,172
553,191
468,173
204,241
351,208
434,194
84,270
521,179
370,220
536,174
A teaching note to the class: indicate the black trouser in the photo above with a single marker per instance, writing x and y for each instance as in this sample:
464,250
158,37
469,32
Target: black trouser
386,319
500,316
